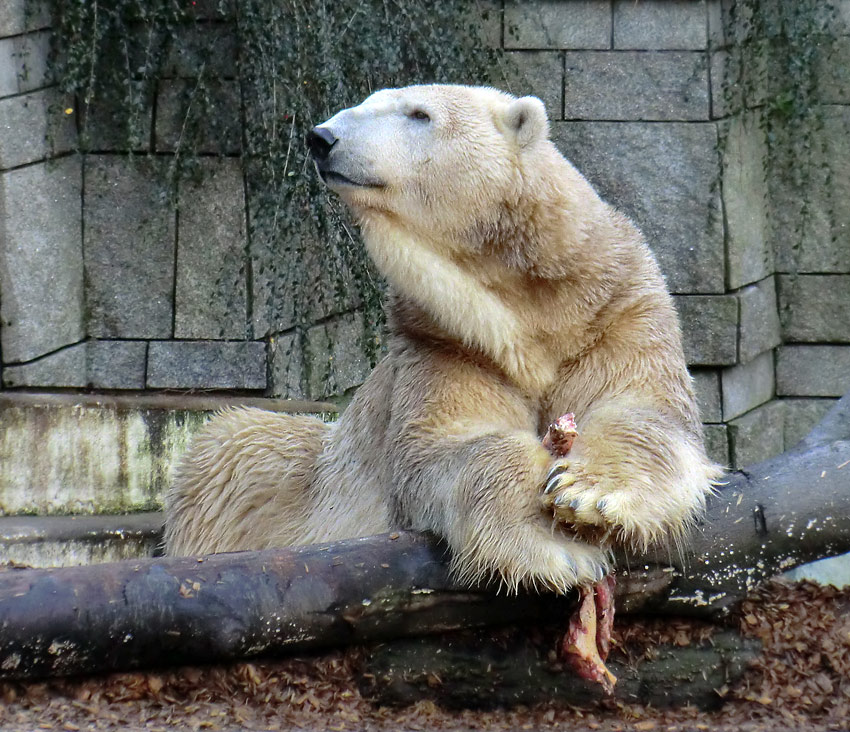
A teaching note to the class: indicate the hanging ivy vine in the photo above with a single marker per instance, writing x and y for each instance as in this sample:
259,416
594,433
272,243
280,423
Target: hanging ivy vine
249,78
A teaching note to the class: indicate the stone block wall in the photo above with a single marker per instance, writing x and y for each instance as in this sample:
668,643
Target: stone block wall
109,282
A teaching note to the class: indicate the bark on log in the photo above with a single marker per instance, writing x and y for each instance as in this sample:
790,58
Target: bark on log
772,516
192,610
767,518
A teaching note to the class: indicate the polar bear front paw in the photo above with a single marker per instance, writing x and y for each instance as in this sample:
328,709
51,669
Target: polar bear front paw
576,498
604,510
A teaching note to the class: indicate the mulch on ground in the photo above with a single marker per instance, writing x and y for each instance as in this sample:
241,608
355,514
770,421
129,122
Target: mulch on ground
800,681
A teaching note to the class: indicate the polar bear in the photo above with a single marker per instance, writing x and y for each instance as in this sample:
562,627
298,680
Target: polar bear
517,295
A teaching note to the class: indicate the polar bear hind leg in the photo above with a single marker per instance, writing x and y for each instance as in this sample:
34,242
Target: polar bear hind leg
244,483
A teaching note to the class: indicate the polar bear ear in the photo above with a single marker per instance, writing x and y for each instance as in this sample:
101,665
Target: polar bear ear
525,118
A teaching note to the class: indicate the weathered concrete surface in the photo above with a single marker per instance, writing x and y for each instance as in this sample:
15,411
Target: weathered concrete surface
636,85
63,368
207,365
34,126
64,541
20,16
757,435
210,297
62,454
709,328
801,415
660,24
553,24
707,389
336,354
664,176
23,62
815,308
41,259
760,330
129,246
56,460
813,371
745,386
745,201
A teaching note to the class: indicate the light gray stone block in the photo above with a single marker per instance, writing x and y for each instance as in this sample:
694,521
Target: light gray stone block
554,24
809,193
540,73
21,16
64,368
758,435
709,328
299,276
833,74
725,88
737,86
116,364
23,62
750,254
487,16
129,246
842,9
202,49
631,85
41,259
219,129
336,356
801,415
211,253
287,366
665,177
746,386
660,24
119,124
815,308
707,390
717,22
760,330
716,440
206,365
814,371
35,126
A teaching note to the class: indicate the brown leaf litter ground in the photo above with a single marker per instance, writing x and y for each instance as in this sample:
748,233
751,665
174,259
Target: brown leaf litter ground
801,681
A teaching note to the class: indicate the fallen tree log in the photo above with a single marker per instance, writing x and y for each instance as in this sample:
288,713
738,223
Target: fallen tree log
770,517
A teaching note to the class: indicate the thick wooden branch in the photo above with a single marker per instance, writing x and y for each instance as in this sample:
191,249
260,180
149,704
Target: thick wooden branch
192,610
770,517
773,516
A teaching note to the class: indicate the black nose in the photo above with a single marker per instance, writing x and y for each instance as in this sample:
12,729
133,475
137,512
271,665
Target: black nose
320,140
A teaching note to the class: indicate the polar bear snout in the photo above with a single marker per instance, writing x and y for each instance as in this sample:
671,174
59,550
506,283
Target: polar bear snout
320,140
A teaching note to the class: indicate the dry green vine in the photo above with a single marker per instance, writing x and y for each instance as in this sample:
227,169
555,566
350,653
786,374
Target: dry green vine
249,78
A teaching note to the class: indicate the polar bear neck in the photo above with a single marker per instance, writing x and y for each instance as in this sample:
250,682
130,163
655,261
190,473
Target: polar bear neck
460,303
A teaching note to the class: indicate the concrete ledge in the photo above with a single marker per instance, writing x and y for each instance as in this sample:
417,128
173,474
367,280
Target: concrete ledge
62,541
159,400
93,454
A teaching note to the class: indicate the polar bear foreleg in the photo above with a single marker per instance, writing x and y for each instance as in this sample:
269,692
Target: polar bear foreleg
634,474
482,496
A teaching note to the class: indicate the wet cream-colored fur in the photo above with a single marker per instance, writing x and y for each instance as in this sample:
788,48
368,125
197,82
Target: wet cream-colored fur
517,295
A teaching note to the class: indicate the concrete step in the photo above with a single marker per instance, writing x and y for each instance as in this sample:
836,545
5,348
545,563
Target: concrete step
63,541
92,454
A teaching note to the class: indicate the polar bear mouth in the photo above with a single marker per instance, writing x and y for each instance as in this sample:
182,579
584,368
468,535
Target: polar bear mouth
333,179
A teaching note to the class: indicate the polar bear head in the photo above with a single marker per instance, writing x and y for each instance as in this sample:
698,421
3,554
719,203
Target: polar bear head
438,159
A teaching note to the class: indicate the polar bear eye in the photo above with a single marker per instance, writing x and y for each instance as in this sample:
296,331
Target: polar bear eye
419,115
